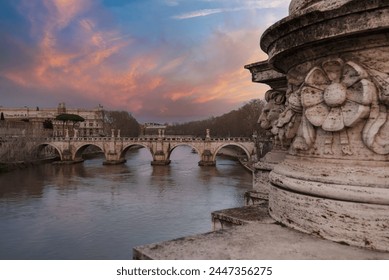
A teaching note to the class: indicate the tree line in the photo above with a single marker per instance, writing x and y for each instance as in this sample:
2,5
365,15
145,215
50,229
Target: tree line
123,120
241,122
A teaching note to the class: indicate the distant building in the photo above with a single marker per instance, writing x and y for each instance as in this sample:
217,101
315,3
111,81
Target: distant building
34,121
152,128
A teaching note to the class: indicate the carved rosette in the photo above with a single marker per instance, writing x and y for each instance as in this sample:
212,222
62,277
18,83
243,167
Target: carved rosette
337,95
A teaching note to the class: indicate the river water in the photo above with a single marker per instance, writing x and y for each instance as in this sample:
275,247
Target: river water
91,211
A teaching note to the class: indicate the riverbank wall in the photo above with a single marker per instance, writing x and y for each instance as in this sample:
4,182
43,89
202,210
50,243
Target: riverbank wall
15,165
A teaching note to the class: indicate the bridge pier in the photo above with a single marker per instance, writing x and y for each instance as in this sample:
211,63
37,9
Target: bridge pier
207,159
207,163
113,158
160,162
160,158
114,162
67,155
67,158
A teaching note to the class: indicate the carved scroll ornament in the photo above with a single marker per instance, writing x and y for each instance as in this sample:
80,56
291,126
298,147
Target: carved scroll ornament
288,123
376,131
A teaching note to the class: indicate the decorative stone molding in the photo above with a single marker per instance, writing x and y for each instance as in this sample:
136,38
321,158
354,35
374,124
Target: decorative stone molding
294,40
305,6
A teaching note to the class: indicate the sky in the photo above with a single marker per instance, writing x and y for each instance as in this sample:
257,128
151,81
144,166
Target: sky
160,60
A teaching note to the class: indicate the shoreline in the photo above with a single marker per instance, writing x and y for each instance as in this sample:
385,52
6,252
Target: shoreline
15,165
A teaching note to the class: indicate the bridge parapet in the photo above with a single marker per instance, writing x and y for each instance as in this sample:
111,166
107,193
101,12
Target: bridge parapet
234,139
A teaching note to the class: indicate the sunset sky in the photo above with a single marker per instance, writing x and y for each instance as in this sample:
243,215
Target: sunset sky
161,60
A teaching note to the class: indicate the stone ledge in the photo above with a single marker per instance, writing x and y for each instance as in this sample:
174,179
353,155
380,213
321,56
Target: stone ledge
255,197
254,241
250,233
242,216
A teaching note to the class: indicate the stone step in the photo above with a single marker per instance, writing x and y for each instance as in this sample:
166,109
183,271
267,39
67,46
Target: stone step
241,216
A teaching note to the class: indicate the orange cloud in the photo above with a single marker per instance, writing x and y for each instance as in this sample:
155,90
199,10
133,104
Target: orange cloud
163,80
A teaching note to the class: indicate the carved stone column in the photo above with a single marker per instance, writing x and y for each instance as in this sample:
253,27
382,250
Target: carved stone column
334,181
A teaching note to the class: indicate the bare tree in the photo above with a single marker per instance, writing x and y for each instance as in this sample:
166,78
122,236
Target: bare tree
241,122
128,125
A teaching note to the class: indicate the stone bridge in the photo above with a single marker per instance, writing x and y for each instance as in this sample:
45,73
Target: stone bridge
70,149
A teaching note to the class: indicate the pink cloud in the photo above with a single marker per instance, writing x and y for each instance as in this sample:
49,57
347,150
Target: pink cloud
204,80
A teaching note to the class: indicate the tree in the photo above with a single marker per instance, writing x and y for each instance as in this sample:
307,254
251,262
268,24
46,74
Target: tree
241,122
2,116
123,120
69,117
65,118
48,124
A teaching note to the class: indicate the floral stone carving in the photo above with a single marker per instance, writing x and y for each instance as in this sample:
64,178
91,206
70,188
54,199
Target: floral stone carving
335,96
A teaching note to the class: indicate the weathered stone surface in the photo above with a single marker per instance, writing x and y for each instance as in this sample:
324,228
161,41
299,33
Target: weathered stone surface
262,169
305,6
254,241
228,218
262,73
293,40
358,224
363,181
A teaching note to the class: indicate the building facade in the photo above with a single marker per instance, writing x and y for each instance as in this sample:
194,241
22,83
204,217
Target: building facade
42,121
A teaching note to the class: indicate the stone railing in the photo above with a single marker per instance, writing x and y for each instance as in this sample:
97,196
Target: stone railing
143,138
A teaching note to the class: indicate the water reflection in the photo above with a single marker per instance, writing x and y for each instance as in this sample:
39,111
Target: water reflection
91,211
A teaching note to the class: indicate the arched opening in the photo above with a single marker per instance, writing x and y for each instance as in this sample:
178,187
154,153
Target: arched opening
231,153
136,154
46,152
233,150
184,152
89,151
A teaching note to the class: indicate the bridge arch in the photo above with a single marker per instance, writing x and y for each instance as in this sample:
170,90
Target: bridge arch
38,148
128,147
173,147
79,150
247,152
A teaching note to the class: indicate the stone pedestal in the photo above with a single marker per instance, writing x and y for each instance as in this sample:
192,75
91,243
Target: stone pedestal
340,200
334,182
